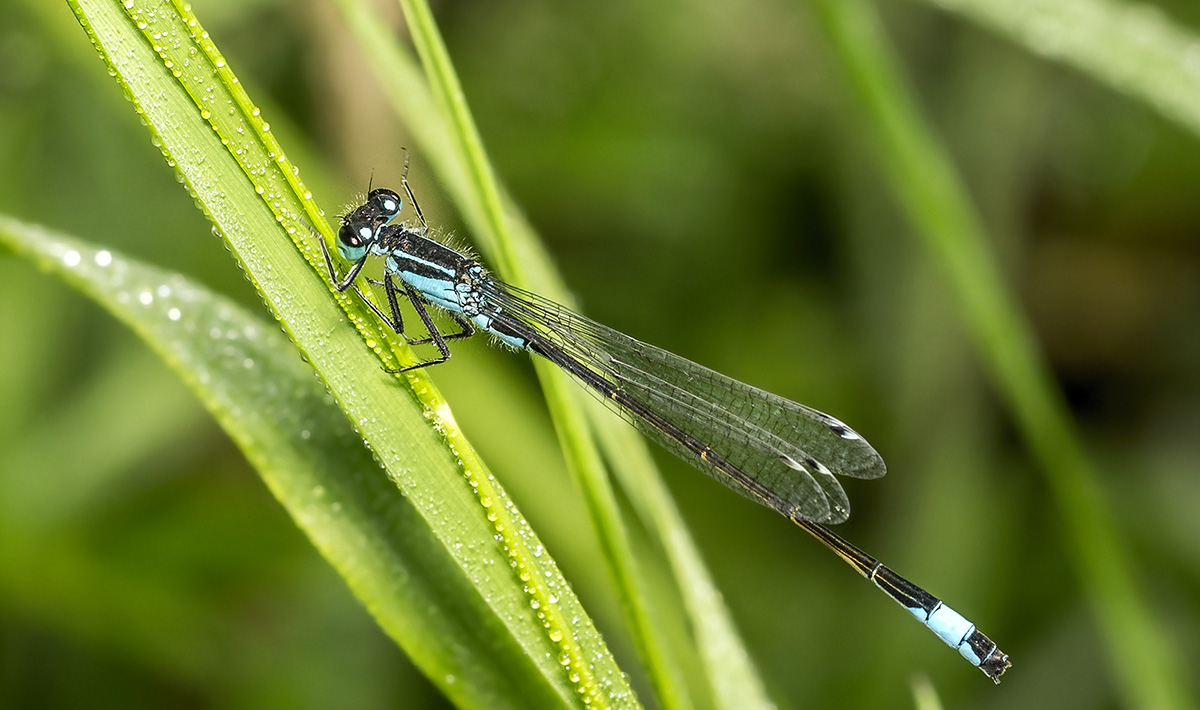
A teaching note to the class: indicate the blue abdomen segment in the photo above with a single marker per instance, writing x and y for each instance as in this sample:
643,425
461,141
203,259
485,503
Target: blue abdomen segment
951,627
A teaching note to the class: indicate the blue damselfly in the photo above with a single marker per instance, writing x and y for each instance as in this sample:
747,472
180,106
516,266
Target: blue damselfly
774,451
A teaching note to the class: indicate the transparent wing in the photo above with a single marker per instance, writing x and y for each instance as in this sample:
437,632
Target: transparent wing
765,447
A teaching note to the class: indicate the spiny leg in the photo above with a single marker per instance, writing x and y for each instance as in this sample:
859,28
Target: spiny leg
435,336
396,322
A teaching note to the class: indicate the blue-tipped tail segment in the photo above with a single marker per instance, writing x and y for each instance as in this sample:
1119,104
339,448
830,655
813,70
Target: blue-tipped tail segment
949,625
961,634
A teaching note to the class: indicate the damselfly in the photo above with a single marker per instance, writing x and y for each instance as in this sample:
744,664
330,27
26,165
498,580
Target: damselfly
771,450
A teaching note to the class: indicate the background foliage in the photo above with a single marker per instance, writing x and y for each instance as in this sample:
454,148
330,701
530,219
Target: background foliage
706,182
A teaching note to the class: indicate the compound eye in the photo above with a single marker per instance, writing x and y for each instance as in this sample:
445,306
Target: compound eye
385,202
354,236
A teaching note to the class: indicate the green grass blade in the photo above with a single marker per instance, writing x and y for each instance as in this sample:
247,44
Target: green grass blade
934,199
209,129
1132,47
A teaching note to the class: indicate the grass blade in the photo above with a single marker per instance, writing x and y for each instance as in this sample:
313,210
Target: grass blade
209,129
1132,47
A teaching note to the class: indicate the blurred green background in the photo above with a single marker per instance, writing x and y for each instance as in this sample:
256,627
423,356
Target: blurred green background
704,178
